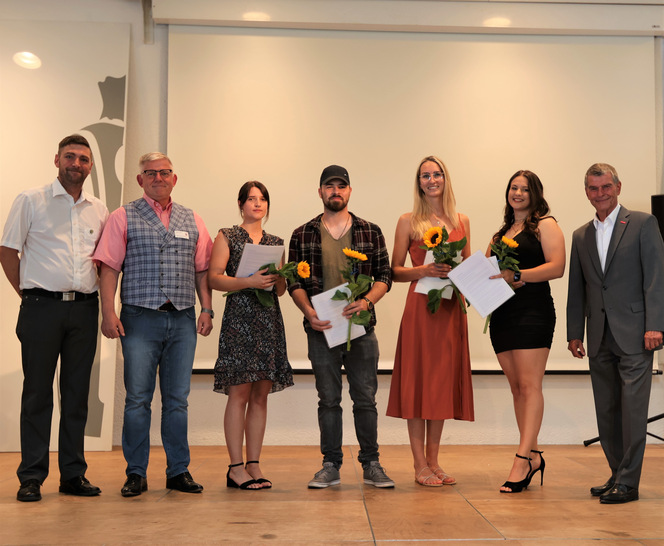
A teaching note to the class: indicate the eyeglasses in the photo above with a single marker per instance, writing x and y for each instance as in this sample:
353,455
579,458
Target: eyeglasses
436,176
165,173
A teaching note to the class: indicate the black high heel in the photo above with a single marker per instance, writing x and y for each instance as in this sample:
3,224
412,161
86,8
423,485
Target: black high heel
230,482
517,487
540,468
260,480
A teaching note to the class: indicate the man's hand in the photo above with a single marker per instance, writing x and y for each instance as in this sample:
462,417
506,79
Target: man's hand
355,308
111,326
575,347
652,340
316,323
204,326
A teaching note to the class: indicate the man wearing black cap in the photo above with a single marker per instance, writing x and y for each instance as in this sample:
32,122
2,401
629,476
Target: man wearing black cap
320,242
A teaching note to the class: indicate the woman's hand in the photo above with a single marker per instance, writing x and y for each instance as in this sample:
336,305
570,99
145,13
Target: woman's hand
436,270
508,275
261,281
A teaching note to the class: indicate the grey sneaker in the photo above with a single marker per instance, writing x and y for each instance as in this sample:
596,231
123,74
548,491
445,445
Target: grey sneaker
375,475
326,476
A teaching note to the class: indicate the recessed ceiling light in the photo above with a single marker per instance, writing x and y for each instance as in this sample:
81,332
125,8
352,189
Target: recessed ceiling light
25,59
256,16
497,22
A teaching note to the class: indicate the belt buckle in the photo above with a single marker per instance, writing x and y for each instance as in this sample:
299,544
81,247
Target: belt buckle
69,296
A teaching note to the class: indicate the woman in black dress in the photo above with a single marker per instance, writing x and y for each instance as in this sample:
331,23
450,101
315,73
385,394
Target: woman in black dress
522,328
252,359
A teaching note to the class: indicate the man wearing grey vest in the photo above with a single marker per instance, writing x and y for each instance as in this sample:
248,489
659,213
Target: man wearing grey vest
163,250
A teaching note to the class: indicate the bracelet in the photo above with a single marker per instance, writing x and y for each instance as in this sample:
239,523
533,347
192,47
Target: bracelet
517,276
208,311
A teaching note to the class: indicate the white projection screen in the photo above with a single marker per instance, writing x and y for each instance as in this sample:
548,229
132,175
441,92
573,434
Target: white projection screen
280,105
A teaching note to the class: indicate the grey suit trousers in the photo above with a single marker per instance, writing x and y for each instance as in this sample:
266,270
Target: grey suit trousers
621,386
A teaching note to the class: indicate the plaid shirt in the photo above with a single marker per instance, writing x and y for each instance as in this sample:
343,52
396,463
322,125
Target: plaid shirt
305,245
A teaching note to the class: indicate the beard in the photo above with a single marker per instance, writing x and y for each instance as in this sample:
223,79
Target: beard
71,177
336,204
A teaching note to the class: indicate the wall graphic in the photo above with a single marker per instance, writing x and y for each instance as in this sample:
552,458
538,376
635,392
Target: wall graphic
80,88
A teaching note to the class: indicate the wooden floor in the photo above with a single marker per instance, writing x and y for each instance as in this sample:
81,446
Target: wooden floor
471,513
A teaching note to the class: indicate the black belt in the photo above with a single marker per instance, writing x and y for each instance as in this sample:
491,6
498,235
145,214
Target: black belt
61,296
167,307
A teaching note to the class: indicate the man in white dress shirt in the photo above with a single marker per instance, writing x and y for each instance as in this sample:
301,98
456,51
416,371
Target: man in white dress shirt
616,294
46,254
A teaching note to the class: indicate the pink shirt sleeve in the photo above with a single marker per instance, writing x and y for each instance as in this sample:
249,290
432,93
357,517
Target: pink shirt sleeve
112,245
203,247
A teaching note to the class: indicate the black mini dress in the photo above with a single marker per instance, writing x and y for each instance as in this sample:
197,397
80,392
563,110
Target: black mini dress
527,320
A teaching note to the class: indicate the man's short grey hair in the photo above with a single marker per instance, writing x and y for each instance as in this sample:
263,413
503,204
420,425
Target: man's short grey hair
152,156
600,169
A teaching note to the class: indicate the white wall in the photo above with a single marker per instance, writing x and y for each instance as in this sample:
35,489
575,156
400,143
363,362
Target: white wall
292,420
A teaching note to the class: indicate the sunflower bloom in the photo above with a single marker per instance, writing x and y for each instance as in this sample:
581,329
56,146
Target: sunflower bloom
355,254
303,270
509,242
433,237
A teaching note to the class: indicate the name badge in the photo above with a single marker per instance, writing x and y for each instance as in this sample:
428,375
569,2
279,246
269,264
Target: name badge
181,234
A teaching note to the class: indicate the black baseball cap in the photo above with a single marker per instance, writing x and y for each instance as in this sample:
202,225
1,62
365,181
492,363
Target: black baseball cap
334,172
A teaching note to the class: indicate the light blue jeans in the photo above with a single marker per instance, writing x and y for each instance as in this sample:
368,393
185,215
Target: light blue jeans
163,342
361,365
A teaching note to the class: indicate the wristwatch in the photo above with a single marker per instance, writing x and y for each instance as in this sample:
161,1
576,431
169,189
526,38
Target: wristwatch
208,311
517,276
370,304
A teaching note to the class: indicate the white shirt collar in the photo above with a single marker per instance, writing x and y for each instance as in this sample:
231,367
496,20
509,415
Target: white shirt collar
59,189
609,221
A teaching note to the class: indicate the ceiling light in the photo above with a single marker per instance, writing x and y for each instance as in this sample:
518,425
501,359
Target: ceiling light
497,22
256,16
25,59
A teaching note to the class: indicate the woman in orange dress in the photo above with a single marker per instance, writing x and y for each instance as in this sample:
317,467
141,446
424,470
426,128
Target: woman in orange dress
431,380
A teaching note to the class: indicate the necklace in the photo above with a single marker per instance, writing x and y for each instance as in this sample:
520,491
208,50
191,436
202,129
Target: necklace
342,231
438,220
516,228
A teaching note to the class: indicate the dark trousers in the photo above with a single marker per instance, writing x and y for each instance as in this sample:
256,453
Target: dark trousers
361,365
48,329
621,387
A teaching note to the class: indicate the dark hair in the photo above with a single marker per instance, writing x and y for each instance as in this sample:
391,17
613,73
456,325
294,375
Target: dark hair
74,139
243,194
539,208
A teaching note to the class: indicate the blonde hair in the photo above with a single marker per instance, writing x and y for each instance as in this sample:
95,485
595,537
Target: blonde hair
420,220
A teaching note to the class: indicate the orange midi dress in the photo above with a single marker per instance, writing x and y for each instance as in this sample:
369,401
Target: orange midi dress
432,377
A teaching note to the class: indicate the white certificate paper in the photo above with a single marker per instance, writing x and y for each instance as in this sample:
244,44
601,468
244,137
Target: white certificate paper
435,283
472,279
329,309
255,256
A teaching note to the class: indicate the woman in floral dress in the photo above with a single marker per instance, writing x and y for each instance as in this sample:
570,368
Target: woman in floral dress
252,360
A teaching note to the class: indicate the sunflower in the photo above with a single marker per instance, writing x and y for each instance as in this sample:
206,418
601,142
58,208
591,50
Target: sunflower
355,254
303,270
433,237
509,242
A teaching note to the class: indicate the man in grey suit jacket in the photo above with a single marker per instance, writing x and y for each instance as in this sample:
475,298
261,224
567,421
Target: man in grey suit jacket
616,290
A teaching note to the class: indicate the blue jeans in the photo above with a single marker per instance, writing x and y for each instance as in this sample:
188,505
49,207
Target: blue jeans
165,341
361,364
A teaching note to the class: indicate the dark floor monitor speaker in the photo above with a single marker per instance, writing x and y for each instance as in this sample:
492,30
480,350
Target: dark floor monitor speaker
657,206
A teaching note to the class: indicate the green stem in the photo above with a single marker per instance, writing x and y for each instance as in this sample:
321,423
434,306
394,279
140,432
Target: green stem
348,342
458,295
